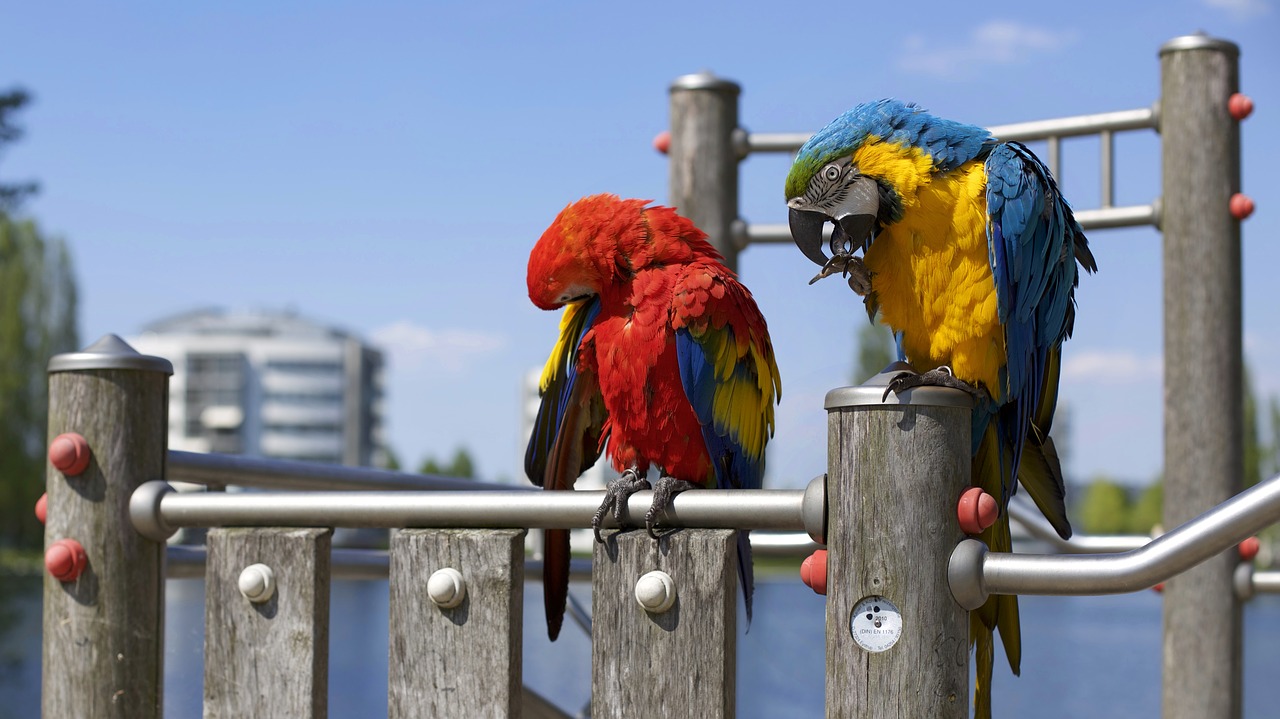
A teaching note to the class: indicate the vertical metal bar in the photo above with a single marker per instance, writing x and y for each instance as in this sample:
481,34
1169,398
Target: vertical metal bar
1200,149
103,631
1055,158
703,157
1108,143
897,641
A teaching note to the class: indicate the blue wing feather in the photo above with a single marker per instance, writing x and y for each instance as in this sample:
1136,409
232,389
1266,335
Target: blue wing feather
557,400
734,467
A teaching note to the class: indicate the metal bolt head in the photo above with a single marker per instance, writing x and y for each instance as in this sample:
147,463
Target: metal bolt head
446,588
257,583
656,592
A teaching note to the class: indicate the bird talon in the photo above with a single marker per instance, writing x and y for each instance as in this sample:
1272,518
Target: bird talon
615,499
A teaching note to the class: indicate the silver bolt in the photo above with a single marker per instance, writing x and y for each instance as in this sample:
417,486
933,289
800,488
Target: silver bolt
446,588
656,592
257,583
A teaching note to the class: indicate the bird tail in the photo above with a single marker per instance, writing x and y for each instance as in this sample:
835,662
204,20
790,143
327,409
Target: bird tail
555,577
1000,611
746,573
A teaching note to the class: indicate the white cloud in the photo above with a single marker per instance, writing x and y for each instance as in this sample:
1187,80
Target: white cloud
411,345
998,42
1112,367
1240,9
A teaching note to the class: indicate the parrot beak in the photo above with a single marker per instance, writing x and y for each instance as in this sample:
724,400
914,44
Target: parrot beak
806,231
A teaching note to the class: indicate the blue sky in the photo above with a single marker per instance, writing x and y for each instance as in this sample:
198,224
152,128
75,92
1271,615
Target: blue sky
386,167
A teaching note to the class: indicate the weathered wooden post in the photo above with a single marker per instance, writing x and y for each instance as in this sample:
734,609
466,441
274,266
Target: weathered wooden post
456,618
103,626
266,645
897,642
1203,405
703,170
664,625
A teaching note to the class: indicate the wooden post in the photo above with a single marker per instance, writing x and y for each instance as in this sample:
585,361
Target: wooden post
462,660
104,631
677,662
895,474
267,658
703,159
1203,403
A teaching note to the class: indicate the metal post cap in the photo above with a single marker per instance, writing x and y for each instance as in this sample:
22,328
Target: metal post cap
705,80
110,352
144,510
1200,41
871,392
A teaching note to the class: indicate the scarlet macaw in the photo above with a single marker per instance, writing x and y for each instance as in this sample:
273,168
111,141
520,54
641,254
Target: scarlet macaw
970,257
662,354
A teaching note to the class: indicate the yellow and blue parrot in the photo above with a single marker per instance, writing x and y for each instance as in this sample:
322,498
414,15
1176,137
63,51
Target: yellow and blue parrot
969,256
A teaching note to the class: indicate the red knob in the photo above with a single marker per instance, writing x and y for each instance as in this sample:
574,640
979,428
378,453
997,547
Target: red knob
813,571
1240,106
65,559
69,453
976,510
1159,588
662,143
1249,549
42,507
1241,206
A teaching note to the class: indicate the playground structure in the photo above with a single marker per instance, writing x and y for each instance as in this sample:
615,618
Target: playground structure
669,605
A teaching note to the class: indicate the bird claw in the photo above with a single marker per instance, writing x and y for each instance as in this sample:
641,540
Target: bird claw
937,377
615,499
850,265
663,492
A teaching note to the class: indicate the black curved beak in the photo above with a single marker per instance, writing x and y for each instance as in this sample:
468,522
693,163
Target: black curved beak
806,232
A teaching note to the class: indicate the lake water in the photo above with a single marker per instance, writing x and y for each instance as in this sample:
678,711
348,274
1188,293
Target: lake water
1082,656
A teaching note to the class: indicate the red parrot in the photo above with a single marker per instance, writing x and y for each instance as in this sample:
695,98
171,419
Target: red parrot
663,356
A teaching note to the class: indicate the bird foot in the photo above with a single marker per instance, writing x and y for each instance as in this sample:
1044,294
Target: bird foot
937,377
615,498
663,492
850,265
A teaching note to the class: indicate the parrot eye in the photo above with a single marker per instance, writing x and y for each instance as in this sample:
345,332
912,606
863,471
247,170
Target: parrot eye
831,173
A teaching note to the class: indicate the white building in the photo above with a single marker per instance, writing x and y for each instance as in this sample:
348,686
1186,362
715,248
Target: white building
269,384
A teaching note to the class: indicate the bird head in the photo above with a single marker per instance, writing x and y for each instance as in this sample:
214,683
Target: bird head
861,171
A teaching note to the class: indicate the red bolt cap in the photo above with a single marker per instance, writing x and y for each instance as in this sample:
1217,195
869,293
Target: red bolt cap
813,571
1159,588
42,507
1240,106
1249,549
976,510
69,453
65,559
1241,206
662,143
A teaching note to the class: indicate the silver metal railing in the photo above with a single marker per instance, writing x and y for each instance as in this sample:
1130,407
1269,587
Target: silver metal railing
975,573
227,469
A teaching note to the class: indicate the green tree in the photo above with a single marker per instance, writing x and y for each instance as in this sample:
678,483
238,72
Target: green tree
461,466
1148,511
1104,509
11,101
37,321
875,351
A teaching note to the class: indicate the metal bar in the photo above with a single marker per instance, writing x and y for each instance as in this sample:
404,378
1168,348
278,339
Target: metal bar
157,510
1146,118
1055,157
261,473
1037,526
1099,219
974,573
1266,582
1108,146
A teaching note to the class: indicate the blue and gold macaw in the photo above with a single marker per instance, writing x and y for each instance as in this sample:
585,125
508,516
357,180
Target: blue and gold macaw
970,257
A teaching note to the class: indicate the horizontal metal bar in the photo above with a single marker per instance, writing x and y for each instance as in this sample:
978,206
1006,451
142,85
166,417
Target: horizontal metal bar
1038,527
1098,219
975,573
1118,121
1268,581
157,511
263,473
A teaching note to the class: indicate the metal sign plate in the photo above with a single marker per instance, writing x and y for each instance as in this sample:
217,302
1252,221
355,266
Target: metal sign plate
875,624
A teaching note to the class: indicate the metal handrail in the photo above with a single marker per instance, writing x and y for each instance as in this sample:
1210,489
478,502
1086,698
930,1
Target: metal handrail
1038,527
263,473
158,511
974,573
